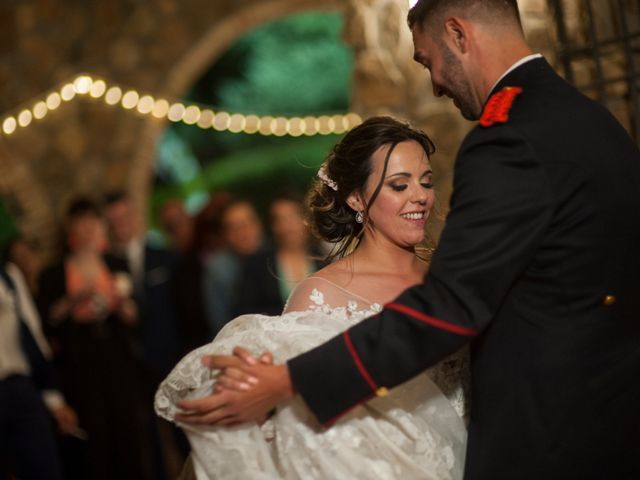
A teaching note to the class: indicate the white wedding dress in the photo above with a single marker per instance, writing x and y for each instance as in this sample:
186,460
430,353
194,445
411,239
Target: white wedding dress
415,432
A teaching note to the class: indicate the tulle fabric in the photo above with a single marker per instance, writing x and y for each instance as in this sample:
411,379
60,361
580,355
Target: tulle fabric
416,432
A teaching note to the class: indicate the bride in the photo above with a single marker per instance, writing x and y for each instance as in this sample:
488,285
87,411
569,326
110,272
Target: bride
372,198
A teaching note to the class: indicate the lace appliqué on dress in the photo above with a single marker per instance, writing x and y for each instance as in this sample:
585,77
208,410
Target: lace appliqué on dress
352,307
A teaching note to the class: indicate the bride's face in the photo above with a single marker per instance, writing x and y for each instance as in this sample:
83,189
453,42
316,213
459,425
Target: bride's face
400,211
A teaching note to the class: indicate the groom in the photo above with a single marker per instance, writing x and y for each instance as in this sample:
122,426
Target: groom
538,267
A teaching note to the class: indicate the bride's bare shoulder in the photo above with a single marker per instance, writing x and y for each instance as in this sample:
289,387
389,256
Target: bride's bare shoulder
340,272
329,283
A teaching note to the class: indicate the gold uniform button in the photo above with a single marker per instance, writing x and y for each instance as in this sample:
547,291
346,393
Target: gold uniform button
609,300
382,392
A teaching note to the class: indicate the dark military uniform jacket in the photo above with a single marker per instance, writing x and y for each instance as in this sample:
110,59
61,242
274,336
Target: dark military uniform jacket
539,268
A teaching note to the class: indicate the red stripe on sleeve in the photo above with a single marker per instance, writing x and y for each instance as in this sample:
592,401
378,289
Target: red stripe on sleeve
358,362
434,322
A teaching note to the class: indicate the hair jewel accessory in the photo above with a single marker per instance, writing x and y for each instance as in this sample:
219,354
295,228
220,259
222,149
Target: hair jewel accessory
322,175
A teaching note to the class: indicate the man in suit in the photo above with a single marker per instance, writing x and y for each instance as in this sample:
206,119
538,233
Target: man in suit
151,271
160,334
29,392
538,267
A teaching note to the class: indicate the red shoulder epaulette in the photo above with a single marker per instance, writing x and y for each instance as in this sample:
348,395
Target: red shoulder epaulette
497,108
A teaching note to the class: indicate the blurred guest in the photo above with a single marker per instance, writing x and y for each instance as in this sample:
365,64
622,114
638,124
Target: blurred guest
187,291
152,271
28,387
22,254
207,242
270,275
208,225
177,225
159,331
243,236
86,305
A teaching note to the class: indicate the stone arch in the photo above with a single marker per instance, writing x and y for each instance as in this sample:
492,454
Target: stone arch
25,196
211,45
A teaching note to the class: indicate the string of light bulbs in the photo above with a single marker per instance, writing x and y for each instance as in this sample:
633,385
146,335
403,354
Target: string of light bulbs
86,86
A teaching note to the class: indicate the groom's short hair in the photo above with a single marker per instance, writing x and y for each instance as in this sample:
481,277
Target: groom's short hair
426,11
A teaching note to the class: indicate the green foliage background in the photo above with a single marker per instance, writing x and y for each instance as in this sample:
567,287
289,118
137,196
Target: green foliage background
295,66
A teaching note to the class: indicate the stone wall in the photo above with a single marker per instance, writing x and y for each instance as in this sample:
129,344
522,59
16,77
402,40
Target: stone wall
159,47
613,58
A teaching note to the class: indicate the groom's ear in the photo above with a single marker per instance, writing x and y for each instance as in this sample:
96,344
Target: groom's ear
457,31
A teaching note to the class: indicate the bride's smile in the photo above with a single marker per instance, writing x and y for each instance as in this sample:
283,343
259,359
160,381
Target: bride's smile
417,217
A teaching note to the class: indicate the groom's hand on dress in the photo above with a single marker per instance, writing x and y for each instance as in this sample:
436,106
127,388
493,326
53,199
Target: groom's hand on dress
251,390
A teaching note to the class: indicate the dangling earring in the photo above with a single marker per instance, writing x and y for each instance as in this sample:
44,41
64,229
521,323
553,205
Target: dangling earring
359,217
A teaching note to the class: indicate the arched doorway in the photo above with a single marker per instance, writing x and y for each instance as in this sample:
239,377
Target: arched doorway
196,61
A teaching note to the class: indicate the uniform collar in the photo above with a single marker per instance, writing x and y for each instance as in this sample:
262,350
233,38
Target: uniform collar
519,63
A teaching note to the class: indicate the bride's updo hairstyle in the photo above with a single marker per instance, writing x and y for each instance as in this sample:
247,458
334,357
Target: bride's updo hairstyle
345,171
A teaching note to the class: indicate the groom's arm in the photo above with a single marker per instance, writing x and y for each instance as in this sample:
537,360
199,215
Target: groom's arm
500,208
